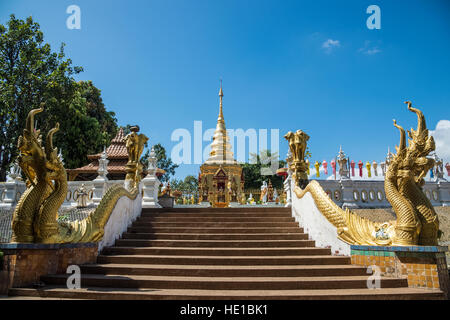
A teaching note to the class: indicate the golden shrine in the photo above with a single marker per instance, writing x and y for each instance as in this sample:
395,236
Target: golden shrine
221,180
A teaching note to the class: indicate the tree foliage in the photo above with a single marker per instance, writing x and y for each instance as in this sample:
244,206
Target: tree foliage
31,74
163,162
259,164
188,186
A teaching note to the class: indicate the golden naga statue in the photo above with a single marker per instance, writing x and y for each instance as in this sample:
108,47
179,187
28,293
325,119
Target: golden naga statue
417,222
135,146
35,216
298,165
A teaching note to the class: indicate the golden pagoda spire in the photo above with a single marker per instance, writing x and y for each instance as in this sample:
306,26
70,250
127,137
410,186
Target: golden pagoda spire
221,119
221,147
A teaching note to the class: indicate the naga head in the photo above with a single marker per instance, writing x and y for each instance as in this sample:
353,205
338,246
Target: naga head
51,153
402,145
30,137
421,144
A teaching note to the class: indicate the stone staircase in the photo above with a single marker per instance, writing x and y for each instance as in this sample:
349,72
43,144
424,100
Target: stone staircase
226,254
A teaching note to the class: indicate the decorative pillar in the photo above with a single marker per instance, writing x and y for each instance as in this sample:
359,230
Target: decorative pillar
317,166
389,158
447,166
369,172
9,194
383,168
438,168
151,183
352,165
299,166
325,167
100,183
288,181
344,181
11,191
375,166
360,165
343,167
333,165
135,146
14,173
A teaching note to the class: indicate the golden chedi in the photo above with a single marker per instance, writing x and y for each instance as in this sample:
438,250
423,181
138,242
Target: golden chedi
221,180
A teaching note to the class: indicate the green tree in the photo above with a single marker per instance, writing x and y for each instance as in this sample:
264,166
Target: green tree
85,125
188,186
259,164
95,108
30,74
163,162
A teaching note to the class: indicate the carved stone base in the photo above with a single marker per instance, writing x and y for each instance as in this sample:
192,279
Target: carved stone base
166,201
23,264
424,266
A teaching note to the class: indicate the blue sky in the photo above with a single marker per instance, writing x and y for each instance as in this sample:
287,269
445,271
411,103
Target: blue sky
158,64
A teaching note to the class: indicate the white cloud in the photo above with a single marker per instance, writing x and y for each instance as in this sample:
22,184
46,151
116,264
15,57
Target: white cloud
369,49
330,44
441,136
372,51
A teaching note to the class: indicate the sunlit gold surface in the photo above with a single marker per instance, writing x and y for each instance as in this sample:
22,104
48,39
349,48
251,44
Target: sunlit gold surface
135,146
351,228
298,165
220,179
417,222
35,216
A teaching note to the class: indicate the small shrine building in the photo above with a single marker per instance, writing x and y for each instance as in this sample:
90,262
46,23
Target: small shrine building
117,155
221,180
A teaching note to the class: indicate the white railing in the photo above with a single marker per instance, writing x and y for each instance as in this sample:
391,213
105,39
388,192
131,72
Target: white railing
370,194
345,193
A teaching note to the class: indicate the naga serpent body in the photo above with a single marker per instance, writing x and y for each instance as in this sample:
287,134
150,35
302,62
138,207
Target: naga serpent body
35,216
417,222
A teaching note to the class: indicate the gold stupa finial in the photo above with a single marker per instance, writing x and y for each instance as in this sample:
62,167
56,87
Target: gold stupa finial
220,119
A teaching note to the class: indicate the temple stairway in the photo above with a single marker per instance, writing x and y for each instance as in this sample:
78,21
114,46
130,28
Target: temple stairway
234,253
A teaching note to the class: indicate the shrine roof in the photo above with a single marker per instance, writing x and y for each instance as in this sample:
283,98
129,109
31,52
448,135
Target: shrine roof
116,150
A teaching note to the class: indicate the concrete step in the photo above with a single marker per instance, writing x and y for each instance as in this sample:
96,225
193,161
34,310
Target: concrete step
187,218
302,251
226,254
189,294
225,271
217,224
247,209
225,283
214,243
217,215
216,230
224,260
217,236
